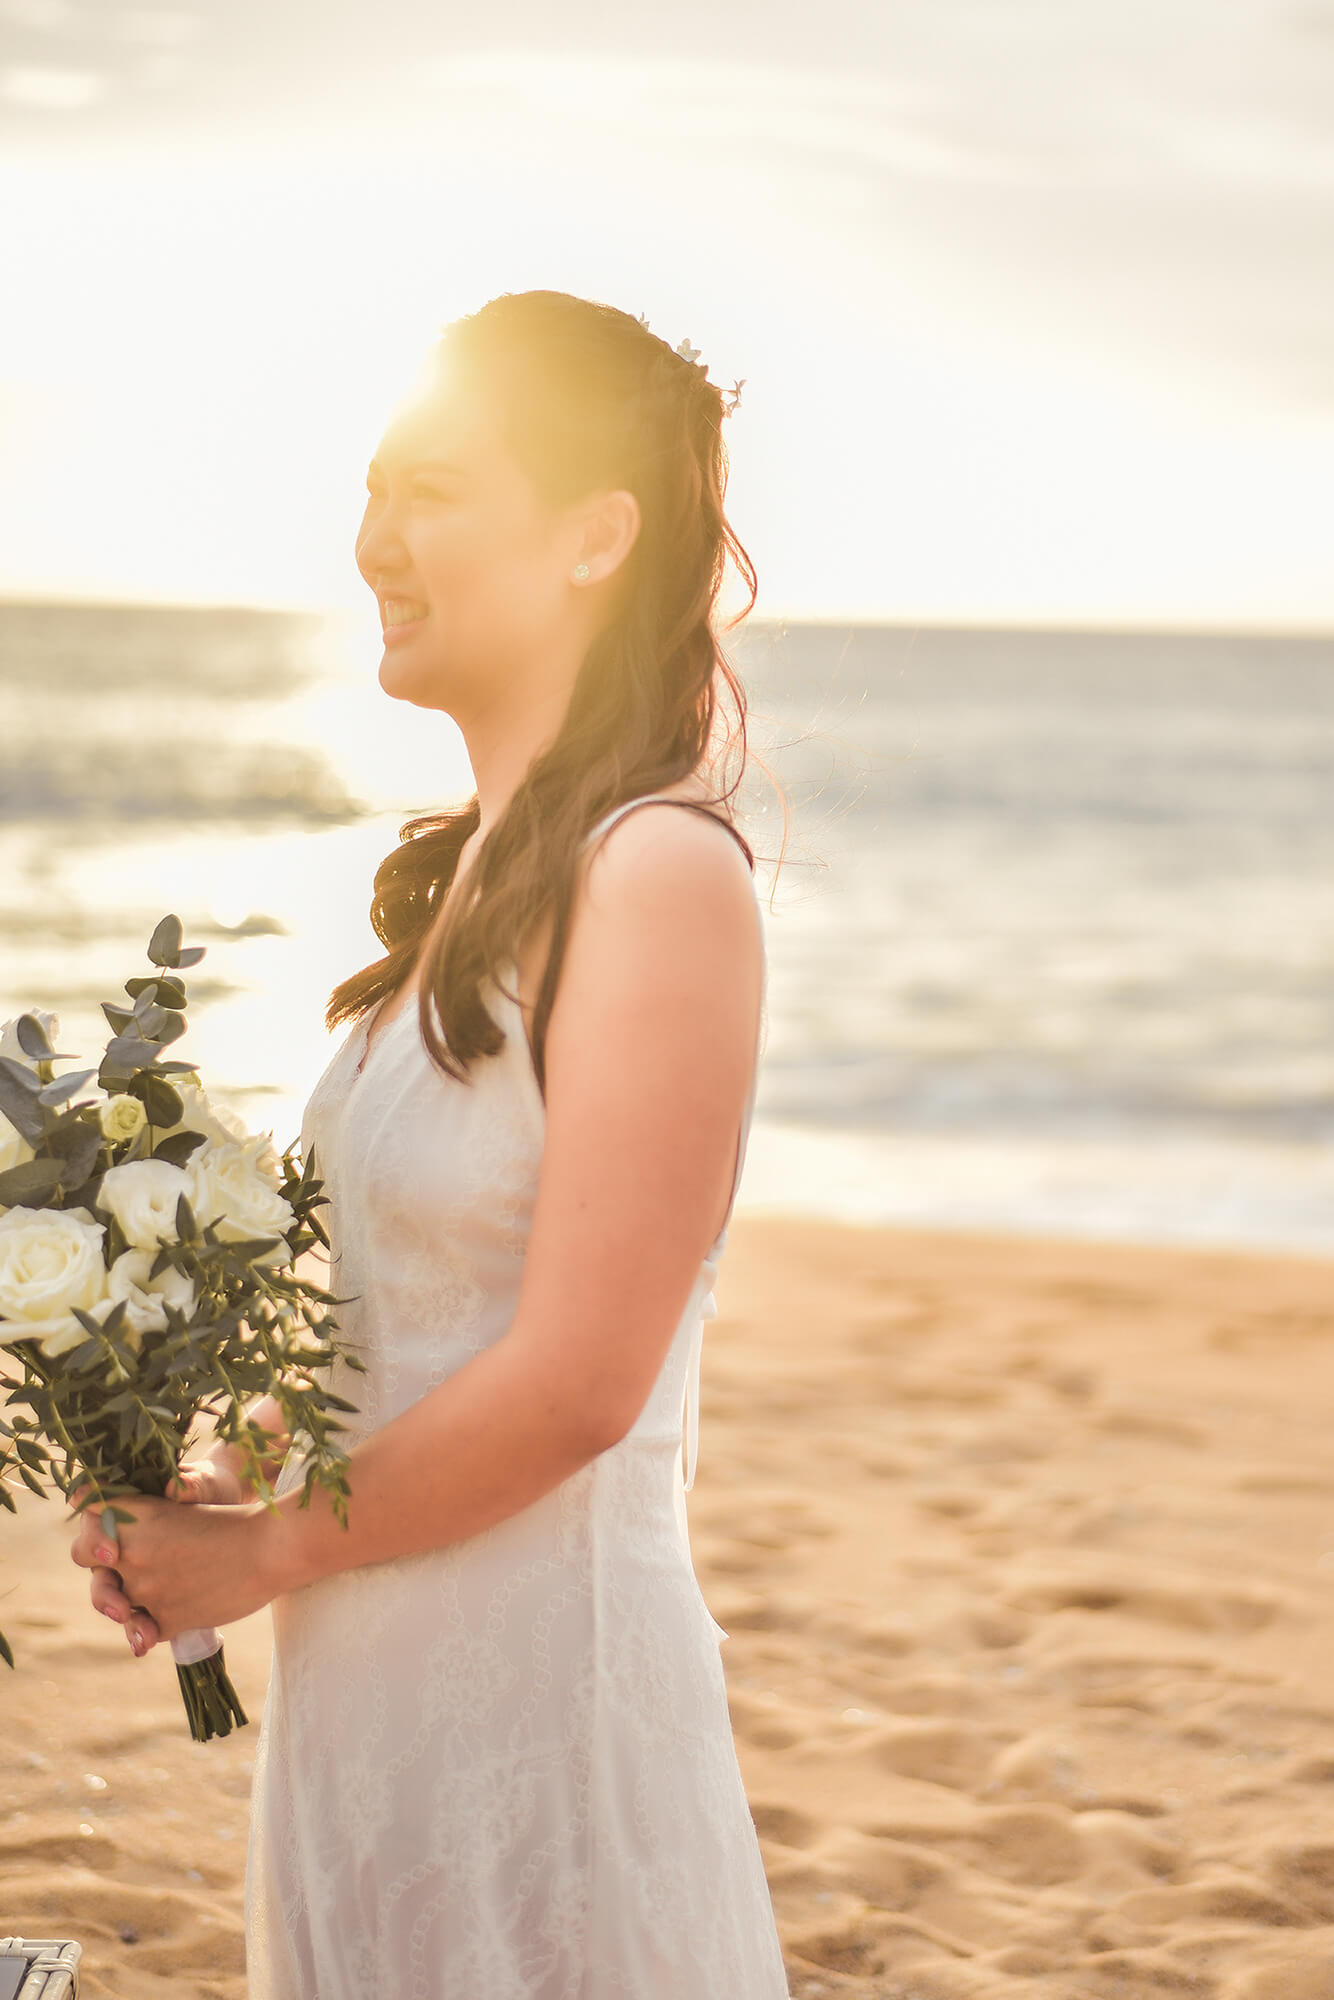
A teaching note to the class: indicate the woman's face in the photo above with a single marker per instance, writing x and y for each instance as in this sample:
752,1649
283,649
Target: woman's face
456,541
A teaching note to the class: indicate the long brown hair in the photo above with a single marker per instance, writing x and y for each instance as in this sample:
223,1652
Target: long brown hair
586,397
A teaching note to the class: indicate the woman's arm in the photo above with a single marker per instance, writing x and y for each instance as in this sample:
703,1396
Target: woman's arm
649,1059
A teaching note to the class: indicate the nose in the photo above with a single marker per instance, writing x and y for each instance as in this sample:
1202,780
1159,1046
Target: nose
379,546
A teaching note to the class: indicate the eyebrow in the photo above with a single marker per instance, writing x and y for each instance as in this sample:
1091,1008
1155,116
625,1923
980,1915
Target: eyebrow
419,465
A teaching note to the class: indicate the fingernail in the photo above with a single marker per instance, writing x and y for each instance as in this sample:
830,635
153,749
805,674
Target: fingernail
137,1641
110,1611
105,1553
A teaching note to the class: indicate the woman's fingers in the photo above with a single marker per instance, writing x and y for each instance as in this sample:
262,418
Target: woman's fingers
93,1550
190,1483
205,1480
92,1545
108,1594
141,1630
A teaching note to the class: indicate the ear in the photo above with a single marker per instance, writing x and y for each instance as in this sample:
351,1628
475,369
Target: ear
606,530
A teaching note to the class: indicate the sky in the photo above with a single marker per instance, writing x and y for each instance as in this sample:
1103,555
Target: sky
1032,301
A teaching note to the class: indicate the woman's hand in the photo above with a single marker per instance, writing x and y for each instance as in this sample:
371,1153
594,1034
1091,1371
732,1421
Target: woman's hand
214,1555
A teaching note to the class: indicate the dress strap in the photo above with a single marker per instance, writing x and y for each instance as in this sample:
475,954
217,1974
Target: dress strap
657,798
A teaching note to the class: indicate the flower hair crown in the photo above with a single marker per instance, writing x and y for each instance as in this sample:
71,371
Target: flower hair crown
692,354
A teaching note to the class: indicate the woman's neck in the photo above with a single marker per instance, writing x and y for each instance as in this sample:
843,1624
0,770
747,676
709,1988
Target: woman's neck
502,749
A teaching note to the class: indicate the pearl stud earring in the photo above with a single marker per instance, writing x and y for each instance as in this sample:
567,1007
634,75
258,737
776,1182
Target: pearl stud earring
581,572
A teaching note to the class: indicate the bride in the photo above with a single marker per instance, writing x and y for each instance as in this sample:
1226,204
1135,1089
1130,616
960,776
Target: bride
495,1760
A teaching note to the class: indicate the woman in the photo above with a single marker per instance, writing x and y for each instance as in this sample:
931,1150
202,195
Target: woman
495,1761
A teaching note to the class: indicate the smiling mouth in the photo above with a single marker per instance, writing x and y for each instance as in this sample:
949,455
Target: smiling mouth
401,611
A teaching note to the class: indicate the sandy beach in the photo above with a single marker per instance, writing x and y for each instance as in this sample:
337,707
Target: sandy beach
1025,1550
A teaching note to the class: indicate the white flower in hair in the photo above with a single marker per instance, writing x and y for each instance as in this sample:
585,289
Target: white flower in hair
688,352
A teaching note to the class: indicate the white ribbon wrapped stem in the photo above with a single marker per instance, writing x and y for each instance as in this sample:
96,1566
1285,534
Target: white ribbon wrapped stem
189,1648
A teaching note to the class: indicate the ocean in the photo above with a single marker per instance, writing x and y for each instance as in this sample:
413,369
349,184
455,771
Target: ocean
1051,944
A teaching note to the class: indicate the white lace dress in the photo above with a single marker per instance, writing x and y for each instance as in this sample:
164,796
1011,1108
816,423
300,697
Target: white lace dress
503,1769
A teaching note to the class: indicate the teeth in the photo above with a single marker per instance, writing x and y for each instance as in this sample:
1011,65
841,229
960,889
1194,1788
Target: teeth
401,611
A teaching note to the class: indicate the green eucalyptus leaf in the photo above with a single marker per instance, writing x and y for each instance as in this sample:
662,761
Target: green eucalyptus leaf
28,1184
129,1052
62,1087
78,1145
163,1104
75,1137
32,1038
177,1147
249,1247
118,1017
186,1226
19,1091
192,955
168,992
165,944
21,1073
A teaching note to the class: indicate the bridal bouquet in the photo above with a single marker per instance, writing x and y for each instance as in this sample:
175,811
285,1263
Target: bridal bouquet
147,1246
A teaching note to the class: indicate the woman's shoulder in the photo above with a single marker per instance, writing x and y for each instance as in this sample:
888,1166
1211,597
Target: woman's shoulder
666,883
664,962
651,846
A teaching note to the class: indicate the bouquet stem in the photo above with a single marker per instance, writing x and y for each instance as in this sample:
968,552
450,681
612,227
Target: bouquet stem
211,1701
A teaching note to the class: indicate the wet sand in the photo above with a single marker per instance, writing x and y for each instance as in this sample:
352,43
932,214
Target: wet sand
1025,1550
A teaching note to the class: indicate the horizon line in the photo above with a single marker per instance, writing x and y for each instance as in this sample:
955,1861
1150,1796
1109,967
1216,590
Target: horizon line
891,622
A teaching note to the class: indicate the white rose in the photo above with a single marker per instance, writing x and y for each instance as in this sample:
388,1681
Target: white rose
146,1298
201,1114
10,1044
121,1116
228,1186
51,1260
215,1121
142,1195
